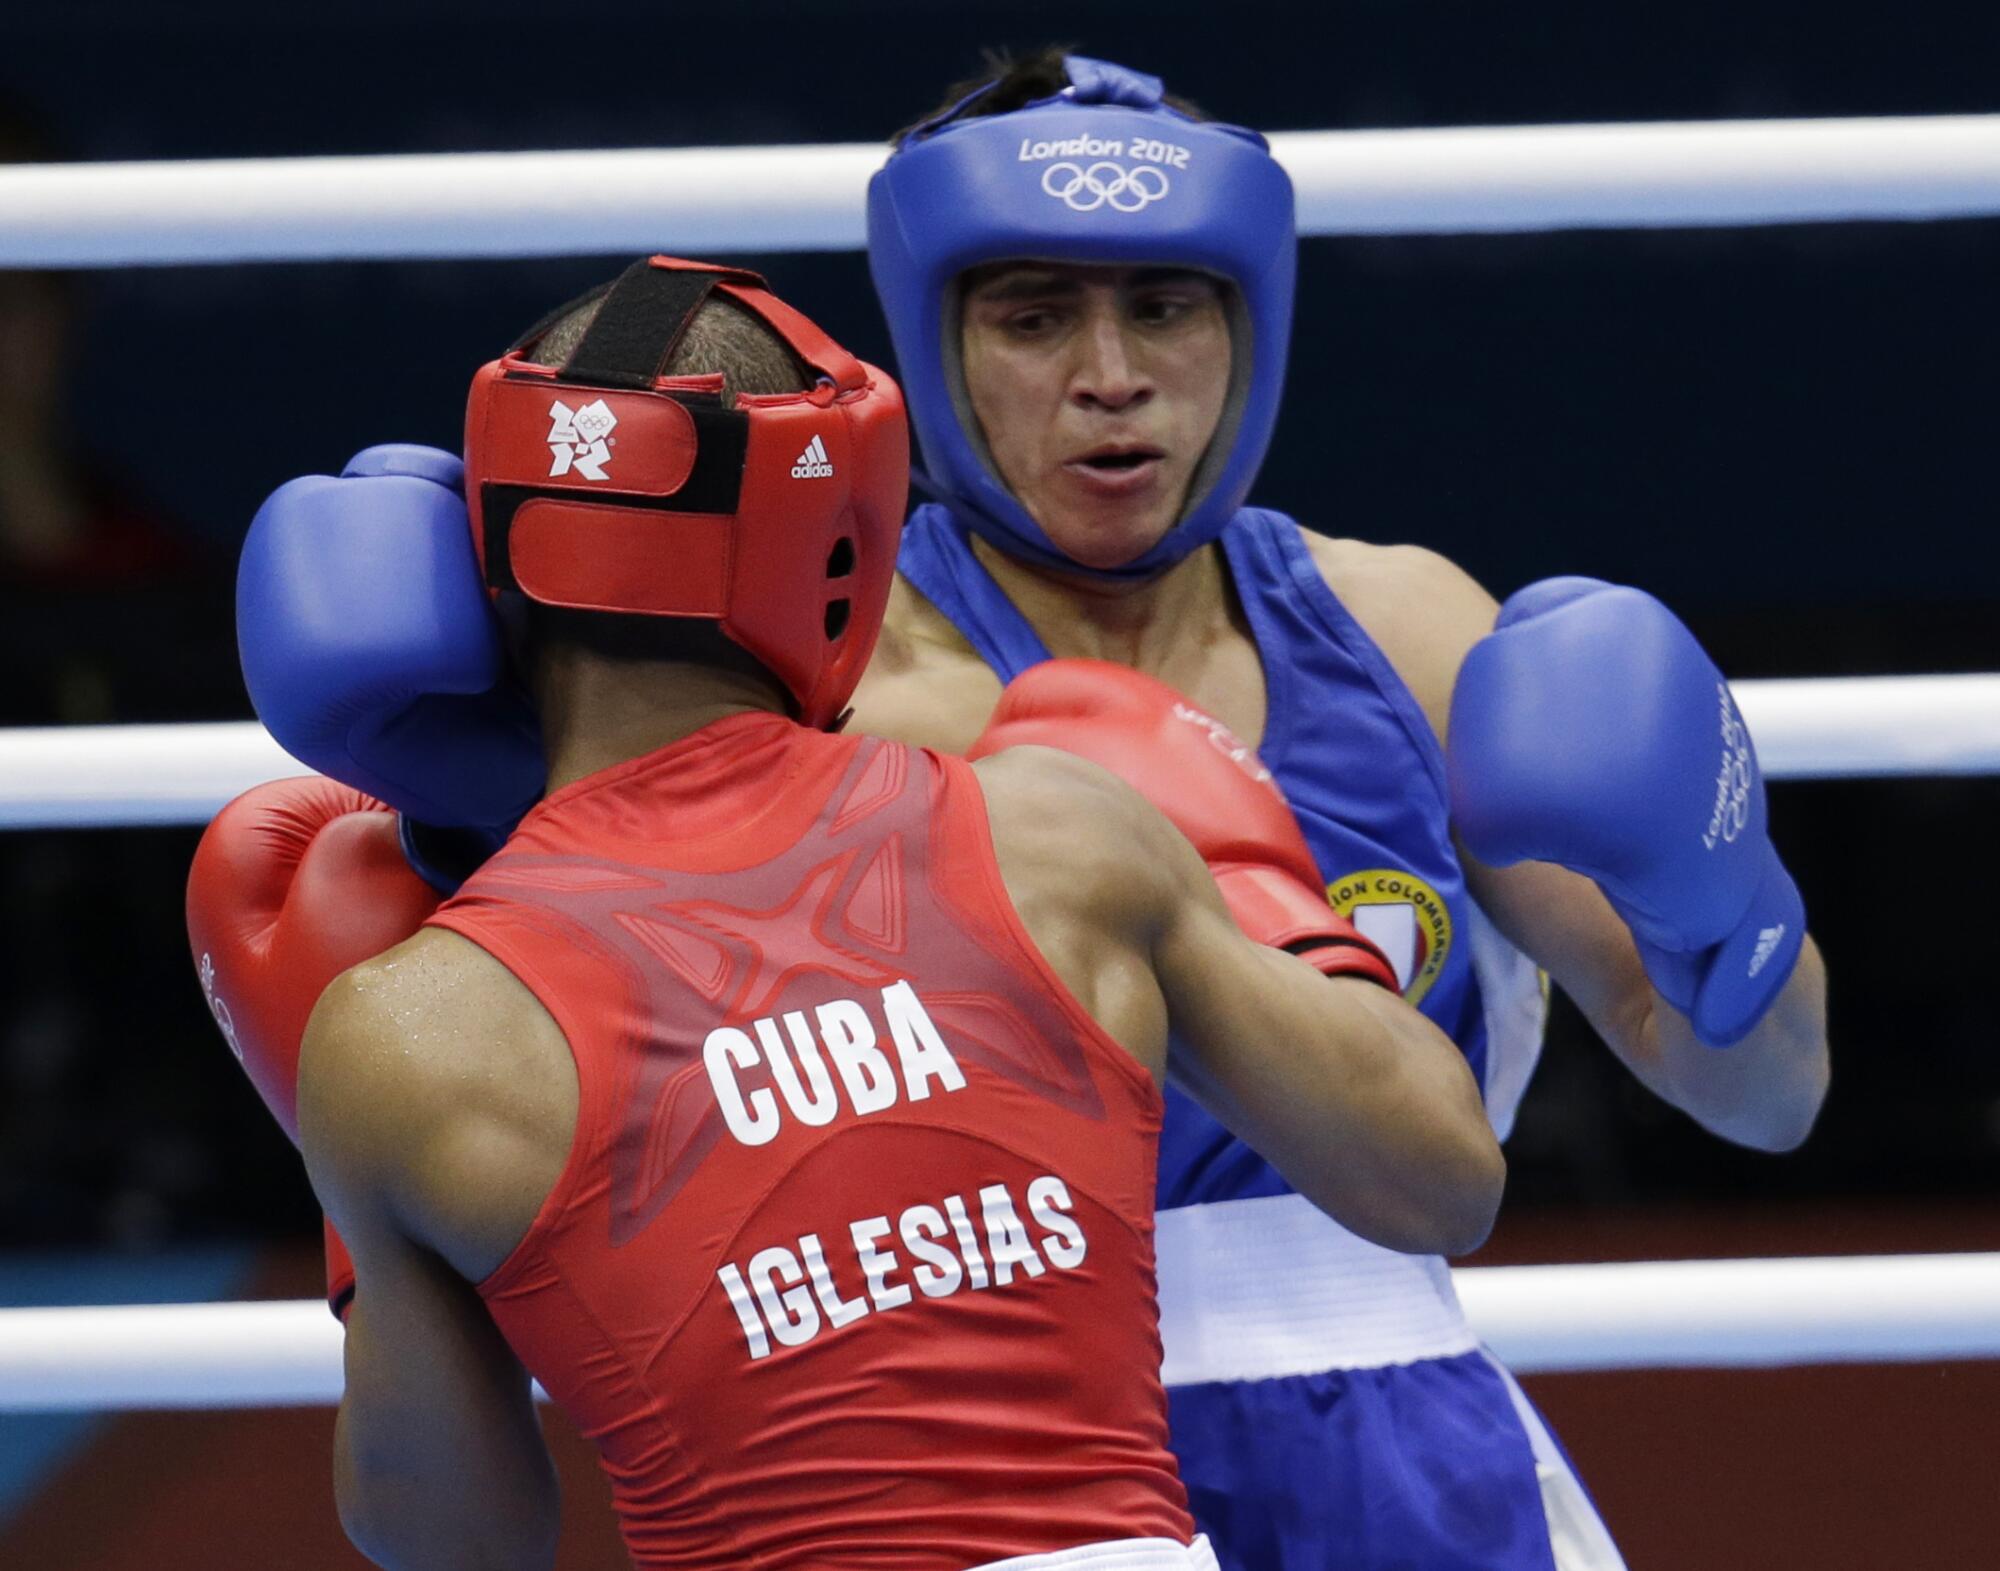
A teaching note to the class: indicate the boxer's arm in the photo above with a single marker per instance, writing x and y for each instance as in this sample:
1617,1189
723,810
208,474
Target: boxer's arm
1364,1105
438,1455
439,1460
1763,1093
1426,614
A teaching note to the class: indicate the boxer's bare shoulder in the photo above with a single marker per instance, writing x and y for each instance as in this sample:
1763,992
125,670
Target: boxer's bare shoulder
925,685
432,1080
1422,609
1090,867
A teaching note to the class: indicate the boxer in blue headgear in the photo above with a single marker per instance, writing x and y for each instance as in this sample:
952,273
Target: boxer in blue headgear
1330,1406
1089,287
1105,171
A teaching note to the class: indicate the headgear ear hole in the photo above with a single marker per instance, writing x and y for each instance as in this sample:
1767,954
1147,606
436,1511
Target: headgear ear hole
840,561
836,618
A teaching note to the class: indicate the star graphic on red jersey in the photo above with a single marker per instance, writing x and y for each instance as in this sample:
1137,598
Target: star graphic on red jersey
783,941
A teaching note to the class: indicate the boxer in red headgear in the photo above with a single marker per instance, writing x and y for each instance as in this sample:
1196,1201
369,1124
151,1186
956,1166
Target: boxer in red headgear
786,1101
773,516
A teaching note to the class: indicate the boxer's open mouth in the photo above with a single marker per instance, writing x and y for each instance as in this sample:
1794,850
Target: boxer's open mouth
1118,459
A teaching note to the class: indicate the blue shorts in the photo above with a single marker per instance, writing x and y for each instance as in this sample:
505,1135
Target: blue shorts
1426,1466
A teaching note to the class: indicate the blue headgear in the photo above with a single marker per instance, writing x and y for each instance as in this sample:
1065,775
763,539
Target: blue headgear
1102,172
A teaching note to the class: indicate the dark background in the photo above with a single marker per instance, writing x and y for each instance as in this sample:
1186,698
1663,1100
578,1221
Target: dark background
1786,433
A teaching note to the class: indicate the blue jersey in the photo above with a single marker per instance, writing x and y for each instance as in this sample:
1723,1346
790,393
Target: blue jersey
1362,769
1329,1404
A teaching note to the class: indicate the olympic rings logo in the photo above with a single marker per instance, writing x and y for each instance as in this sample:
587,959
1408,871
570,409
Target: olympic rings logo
1085,188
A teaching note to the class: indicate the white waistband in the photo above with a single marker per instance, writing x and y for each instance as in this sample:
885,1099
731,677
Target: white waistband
1257,1289
1123,1554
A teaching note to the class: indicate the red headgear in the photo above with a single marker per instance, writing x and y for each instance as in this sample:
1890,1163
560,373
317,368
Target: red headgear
605,486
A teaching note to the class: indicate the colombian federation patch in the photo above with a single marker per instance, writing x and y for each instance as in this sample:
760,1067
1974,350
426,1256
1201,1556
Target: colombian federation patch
1403,916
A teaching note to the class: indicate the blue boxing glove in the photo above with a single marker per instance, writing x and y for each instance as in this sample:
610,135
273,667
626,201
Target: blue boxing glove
371,649
1590,729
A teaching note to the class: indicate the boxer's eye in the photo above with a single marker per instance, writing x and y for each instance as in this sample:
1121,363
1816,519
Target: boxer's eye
1032,323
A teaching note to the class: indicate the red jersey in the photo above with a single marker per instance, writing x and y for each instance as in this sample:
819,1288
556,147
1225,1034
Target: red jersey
852,1259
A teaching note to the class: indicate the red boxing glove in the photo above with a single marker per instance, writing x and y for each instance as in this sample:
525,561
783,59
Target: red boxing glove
294,882
1193,769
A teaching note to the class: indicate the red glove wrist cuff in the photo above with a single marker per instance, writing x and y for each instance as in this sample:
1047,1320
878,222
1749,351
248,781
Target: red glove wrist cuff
1276,909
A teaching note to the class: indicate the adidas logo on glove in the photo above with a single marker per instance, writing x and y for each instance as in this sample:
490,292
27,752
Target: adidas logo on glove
813,464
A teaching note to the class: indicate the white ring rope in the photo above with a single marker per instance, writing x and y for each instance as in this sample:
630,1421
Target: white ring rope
1538,1319
1823,727
1688,1314
810,198
106,776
